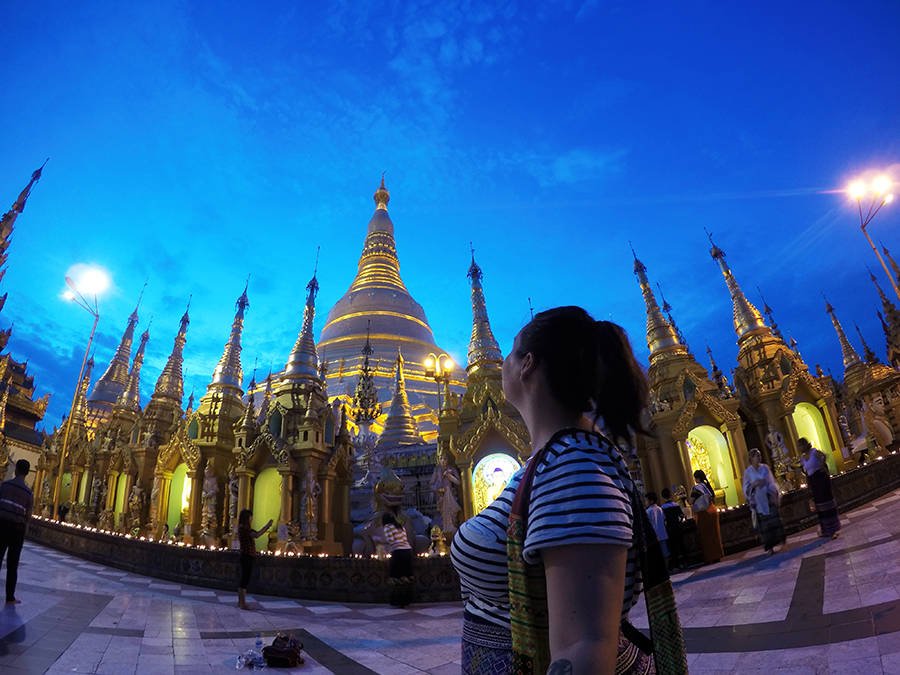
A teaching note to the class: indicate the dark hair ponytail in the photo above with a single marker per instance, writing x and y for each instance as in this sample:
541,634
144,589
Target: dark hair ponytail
589,366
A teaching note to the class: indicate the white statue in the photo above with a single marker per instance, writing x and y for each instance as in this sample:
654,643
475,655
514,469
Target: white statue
444,482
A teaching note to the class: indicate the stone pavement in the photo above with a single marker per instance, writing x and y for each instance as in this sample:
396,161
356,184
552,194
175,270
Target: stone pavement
819,606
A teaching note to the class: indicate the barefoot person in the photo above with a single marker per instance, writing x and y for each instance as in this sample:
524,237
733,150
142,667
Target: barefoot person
246,535
16,504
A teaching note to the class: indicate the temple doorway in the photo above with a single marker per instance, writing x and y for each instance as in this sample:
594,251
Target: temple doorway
179,498
266,503
708,451
810,425
491,475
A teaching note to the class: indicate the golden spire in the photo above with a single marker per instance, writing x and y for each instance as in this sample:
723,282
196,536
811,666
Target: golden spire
365,399
661,337
379,266
851,358
400,427
9,218
248,420
113,382
228,375
887,254
484,352
869,355
303,363
130,399
82,391
747,319
768,312
170,383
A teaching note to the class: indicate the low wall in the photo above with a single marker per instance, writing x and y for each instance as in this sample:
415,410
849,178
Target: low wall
851,489
339,579
332,579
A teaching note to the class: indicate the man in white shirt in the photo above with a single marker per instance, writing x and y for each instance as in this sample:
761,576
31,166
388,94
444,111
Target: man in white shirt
658,520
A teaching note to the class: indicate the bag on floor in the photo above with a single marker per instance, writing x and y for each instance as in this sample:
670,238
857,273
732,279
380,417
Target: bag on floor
284,652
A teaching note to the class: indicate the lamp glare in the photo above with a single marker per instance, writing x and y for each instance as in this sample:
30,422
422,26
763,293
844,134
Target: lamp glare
448,364
93,282
881,184
857,189
888,199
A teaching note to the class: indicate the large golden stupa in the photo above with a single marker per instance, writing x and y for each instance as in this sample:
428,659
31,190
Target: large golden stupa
378,307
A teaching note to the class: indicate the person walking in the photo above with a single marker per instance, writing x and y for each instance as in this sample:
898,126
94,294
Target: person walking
246,535
16,505
703,504
674,516
764,497
400,569
818,478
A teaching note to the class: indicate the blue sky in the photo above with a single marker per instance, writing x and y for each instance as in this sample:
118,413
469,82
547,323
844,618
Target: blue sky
196,143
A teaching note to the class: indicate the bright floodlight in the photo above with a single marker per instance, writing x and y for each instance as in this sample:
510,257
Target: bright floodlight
881,184
888,199
429,362
92,282
448,364
69,295
857,189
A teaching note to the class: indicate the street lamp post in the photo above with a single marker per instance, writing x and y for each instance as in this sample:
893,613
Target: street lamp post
880,196
439,369
76,296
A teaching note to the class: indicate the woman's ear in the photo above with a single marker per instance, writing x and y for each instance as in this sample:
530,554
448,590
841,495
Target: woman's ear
527,366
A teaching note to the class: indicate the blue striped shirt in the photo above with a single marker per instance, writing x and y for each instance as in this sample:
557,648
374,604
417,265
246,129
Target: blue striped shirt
580,495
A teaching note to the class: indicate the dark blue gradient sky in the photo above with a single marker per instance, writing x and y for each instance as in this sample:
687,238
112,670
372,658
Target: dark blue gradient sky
195,143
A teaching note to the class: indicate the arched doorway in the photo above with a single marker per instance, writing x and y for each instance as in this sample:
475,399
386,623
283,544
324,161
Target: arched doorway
491,475
266,502
810,425
708,450
178,496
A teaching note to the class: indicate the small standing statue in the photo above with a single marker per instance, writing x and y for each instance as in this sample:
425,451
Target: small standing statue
154,501
309,504
135,504
233,489
208,498
781,457
444,481
46,499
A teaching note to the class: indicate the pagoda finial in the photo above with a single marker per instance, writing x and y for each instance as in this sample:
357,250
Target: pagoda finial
747,319
303,362
9,218
171,383
868,354
768,312
130,399
114,381
849,354
894,267
661,337
484,351
531,309
228,375
667,308
382,196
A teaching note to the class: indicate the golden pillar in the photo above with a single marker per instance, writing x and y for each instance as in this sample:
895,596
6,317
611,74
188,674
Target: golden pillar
738,447
465,470
112,486
192,527
829,413
686,463
75,484
245,489
666,464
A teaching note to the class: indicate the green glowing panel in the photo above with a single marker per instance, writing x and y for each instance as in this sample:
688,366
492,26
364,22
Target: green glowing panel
175,496
266,502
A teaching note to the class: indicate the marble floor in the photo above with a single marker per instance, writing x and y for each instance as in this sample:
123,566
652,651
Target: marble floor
825,607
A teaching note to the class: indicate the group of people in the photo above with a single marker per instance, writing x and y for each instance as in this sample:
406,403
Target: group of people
569,531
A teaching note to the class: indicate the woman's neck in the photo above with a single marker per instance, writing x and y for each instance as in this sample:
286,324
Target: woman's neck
543,423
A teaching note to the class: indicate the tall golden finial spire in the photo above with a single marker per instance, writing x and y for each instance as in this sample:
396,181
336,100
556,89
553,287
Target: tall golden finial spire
130,399
851,358
9,218
747,319
228,375
484,352
113,382
661,337
893,263
382,196
768,312
303,363
400,427
868,354
171,382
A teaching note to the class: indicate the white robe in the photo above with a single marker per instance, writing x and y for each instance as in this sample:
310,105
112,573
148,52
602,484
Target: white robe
758,497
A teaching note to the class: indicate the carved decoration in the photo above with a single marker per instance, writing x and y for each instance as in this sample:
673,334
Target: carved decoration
686,417
466,444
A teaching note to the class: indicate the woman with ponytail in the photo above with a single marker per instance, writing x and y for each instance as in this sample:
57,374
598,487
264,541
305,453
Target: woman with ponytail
550,570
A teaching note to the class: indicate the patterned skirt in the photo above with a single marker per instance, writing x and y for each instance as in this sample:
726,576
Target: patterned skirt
826,506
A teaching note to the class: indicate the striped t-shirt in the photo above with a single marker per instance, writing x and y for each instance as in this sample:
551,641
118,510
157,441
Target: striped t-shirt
396,538
580,495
